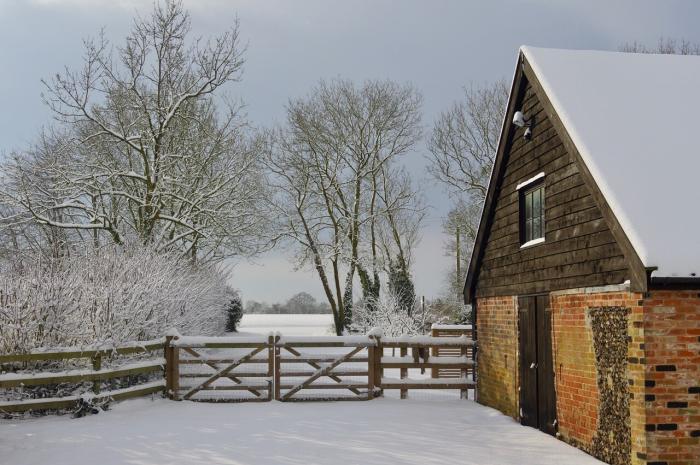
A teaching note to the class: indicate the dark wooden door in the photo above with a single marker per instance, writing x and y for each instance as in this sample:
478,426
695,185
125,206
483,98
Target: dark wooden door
527,317
537,395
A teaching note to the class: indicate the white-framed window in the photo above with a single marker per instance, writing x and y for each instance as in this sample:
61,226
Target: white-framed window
531,193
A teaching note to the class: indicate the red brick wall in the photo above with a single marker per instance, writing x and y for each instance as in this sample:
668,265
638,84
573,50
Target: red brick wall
663,368
575,365
497,353
672,346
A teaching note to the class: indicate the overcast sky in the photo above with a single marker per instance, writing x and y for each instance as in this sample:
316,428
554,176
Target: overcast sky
439,46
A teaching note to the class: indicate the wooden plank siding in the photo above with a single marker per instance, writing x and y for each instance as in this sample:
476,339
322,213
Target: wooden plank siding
579,249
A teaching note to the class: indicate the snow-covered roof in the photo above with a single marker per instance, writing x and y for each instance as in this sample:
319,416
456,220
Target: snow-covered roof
634,118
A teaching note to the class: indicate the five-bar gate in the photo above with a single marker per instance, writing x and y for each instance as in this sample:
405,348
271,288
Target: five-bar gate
220,369
262,368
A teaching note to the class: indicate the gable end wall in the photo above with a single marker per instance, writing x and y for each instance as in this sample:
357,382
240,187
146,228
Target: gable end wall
579,248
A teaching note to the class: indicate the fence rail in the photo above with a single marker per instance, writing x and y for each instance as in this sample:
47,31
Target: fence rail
260,368
96,375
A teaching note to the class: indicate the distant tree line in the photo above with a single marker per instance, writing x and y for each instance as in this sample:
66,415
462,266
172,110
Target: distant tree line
299,303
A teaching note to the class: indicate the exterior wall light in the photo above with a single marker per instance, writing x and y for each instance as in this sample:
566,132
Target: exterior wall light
520,120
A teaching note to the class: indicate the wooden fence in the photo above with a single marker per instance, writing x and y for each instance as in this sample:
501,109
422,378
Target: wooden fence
259,368
426,353
438,330
96,375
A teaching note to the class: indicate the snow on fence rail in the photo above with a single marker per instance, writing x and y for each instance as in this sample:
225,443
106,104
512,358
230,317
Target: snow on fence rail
20,378
65,353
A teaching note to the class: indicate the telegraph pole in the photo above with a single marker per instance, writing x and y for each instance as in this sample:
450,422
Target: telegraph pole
459,261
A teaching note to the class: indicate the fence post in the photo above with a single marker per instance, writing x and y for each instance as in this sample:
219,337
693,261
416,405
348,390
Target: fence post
379,370
278,364
270,366
471,352
167,354
175,372
464,393
371,370
172,368
404,371
434,373
96,366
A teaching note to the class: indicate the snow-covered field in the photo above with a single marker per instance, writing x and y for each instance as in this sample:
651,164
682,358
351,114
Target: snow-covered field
380,432
289,325
426,429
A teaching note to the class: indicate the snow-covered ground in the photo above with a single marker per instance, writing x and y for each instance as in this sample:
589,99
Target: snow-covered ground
380,432
429,428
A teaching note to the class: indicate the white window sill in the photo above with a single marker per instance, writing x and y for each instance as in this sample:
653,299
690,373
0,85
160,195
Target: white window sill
539,240
527,182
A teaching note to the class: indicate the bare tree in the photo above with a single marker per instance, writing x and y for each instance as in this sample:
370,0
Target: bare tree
460,226
465,139
18,230
329,164
399,228
396,212
463,148
665,46
145,150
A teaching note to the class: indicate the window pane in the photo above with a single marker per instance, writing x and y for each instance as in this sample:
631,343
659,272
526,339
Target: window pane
541,212
532,216
528,229
528,205
536,204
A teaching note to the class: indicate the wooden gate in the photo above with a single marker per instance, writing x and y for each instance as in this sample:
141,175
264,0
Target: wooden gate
310,368
438,330
238,368
315,368
422,350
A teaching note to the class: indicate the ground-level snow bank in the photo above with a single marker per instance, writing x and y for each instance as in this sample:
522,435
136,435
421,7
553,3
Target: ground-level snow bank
379,432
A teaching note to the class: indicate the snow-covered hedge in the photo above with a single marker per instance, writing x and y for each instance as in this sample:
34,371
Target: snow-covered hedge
112,294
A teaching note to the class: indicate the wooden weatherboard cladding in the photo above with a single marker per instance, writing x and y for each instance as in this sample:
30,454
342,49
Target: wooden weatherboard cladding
580,247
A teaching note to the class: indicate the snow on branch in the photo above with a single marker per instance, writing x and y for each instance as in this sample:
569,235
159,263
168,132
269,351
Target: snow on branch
146,149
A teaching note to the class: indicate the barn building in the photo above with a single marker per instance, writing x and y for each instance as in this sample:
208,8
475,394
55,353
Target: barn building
584,275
